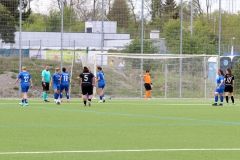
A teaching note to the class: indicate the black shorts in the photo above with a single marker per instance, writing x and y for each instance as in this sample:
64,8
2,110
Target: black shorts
46,86
228,88
147,86
87,88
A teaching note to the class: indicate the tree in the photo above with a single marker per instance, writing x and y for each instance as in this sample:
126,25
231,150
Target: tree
120,12
202,42
35,22
156,9
135,47
170,8
9,18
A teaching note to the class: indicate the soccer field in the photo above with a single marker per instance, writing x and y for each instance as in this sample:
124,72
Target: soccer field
119,129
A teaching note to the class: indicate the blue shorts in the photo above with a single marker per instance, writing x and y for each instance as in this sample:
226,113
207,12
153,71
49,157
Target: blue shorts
24,88
64,87
101,85
56,87
220,90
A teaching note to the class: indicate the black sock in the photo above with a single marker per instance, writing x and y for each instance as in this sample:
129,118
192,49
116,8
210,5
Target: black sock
85,102
227,99
89,100
232,98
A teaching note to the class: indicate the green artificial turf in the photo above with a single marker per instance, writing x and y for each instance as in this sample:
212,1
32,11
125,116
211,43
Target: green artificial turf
119,129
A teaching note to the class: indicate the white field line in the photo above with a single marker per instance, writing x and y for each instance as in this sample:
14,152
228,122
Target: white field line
111,151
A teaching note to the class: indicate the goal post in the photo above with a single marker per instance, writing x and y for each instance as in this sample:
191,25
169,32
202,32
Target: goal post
123,80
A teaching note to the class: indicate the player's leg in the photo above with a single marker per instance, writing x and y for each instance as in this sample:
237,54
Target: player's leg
67,92
221,91
56,92
84,93
90,92
231,93
22,90
25,96
216,97
226,93
100,94
45,90
103,98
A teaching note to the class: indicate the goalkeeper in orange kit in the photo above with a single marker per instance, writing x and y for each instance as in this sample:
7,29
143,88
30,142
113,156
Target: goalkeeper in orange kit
147,84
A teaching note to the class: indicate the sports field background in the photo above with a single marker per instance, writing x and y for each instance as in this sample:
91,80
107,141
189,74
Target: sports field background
119,129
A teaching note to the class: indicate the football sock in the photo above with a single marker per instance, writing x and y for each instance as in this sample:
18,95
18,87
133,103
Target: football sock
227,99
89,100
100,97
232,98
55,95
26,100
44,95
67,95
221,99
149,92
61,95
87,96
146,95
22,100
216,99
85,102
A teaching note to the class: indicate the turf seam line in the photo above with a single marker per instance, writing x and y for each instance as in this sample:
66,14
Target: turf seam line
131,150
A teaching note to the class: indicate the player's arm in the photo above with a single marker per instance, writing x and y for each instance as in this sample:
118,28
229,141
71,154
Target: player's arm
17,79
79,79
220,85
31,84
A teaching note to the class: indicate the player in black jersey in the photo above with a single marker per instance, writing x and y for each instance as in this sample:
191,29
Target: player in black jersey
86,79
229,84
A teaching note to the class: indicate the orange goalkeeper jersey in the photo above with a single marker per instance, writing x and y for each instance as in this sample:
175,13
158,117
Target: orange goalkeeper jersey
147,78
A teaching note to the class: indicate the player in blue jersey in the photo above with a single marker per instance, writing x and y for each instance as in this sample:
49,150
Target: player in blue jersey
220,88
46,76
101,84
55,82
65,80
25,78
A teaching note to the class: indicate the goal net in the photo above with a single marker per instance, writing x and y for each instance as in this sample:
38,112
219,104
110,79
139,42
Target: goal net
173,76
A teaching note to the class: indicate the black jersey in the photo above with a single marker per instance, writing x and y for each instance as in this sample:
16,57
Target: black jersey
86,77
229,79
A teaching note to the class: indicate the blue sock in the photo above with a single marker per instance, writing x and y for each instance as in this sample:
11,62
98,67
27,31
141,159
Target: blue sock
100,97
22,100
61,95
26,101
87,96
67,95
57,94
221,99
216,99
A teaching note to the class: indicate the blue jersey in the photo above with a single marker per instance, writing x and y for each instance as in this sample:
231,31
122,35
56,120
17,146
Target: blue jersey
24,77
100,76
65,78
56,78
220,79
92,79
